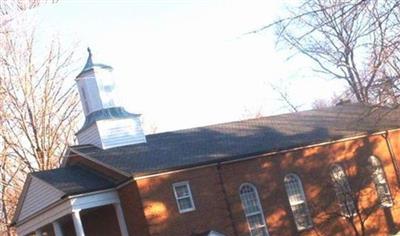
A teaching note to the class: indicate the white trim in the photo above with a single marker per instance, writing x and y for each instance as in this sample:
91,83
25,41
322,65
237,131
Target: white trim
91,193
76,218
96,200
174,171
177,198
121,219
57,229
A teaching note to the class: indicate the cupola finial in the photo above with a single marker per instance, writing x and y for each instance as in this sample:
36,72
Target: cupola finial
89,62
89,51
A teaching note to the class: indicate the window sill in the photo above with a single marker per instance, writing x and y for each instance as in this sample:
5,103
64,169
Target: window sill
187,210
386,205
304,228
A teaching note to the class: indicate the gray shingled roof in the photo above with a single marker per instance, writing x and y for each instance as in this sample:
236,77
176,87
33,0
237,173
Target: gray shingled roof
235,140
74,180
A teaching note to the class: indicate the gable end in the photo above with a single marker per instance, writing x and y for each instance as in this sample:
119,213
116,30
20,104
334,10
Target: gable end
38,195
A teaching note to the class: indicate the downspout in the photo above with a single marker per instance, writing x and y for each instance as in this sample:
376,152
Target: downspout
392,156
228,206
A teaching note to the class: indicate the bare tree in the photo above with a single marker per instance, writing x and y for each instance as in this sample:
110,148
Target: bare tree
11,178
12,6
354,41
330,102
39,106
348,194
284,97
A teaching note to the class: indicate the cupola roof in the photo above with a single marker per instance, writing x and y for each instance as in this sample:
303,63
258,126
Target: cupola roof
90,65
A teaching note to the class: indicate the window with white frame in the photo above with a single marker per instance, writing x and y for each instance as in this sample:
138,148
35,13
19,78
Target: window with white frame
382,188
343,191
297,200
183,197
253,210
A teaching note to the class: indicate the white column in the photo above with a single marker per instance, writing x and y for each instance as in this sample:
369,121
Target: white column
38,232
57,229
78,223
121,219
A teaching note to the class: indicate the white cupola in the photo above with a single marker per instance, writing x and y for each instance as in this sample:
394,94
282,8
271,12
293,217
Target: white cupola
107,124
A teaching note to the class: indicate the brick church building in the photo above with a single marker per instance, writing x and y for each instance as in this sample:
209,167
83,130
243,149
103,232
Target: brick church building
332,171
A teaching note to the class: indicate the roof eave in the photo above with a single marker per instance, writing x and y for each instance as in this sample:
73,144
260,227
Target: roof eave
247,156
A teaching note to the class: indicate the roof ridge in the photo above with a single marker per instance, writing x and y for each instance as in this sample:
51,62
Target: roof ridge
336,109
251,119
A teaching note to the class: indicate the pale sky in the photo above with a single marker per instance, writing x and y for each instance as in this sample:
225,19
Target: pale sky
184,64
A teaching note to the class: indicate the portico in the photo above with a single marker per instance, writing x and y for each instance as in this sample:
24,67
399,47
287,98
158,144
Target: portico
70,201
75,209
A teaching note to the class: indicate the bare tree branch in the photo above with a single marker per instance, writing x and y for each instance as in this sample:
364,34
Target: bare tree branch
39,106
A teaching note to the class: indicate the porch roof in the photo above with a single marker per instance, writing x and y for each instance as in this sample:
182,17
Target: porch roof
75,180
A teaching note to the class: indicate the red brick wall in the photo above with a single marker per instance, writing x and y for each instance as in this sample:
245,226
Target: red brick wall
267,173
101,221
133,210
162,212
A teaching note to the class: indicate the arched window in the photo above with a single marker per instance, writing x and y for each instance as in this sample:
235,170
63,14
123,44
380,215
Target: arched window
297,200
253,210
381,185
343,190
